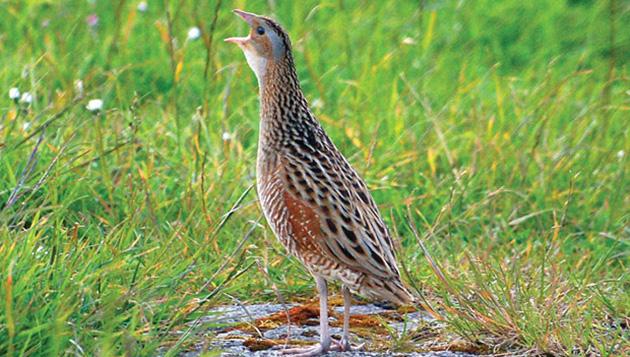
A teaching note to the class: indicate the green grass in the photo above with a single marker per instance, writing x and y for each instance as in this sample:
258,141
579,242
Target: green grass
498,129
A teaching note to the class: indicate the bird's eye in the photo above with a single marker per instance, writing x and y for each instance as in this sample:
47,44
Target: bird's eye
260,30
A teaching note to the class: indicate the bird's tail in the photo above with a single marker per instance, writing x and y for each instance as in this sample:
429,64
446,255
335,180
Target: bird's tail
391,290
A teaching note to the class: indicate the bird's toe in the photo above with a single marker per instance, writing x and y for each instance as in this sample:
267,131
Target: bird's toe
315,350
343,345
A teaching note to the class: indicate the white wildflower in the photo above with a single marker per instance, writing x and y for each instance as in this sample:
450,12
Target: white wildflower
94,105
194,33
26,98
621,154
143,6
40,251
317,103
14,93
226,136
26,125
408,41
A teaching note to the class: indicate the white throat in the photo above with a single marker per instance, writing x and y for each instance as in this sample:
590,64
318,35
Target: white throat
258,64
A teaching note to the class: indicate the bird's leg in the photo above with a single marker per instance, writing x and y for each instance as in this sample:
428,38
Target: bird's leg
344,344
324,334
347,302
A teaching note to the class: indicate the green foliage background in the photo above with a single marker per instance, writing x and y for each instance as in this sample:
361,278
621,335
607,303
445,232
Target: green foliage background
498,128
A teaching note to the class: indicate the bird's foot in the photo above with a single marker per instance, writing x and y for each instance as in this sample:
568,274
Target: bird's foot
343,345
315,350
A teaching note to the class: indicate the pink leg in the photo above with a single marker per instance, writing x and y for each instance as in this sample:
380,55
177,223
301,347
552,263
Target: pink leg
324,334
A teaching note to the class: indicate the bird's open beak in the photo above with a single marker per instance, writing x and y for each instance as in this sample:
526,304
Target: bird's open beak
249,18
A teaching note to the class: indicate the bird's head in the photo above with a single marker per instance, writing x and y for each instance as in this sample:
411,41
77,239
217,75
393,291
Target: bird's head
266,44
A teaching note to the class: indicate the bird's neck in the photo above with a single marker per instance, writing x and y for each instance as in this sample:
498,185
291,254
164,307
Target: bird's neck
280,82
283,107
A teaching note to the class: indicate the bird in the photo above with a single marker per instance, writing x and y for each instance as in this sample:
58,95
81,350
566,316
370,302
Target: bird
315,202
